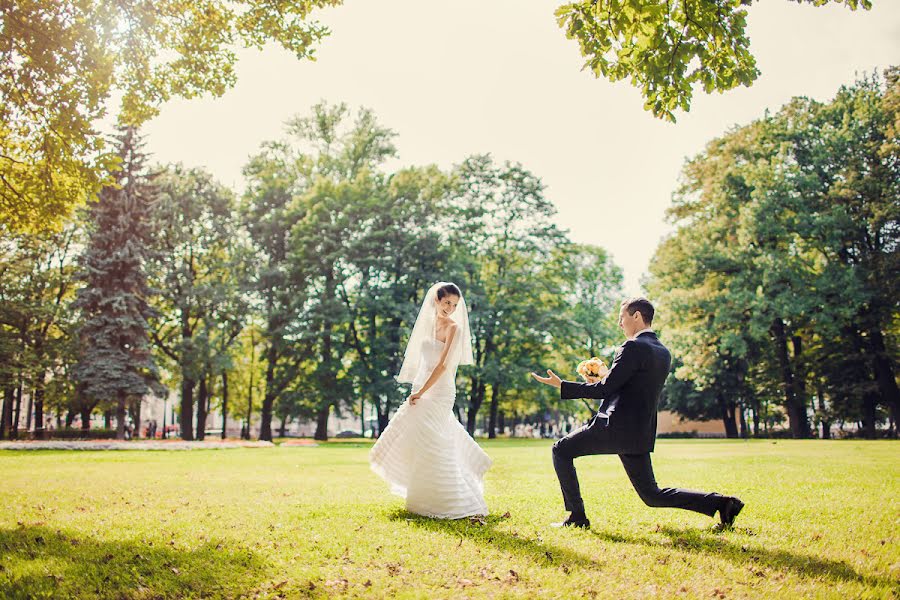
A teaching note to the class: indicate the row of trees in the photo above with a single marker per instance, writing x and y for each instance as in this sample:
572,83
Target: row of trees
301,292
780,285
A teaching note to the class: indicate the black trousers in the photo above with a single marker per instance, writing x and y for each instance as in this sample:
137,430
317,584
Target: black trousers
594,438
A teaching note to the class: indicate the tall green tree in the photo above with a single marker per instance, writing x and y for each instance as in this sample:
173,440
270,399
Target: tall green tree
37,289
501,237
116,362
195,231
343,168
786,228
398,250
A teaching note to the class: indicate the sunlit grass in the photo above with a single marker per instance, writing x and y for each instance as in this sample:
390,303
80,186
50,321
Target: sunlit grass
821,521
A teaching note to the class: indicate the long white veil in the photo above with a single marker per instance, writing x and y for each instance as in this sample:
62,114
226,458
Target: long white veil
426,324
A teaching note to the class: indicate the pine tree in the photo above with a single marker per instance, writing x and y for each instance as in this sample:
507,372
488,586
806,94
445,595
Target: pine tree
116,361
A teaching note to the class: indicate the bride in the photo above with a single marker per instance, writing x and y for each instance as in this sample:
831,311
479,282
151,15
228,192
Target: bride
424,453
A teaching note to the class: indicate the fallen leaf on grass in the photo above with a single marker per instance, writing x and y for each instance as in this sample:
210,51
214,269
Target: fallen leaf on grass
176,571
477,520
337,583
465,583
506,515
513,577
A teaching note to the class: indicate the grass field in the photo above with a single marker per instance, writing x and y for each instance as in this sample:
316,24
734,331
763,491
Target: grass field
822,520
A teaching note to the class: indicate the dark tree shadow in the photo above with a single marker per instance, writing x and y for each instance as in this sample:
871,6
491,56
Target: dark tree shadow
51,563
710,541
484,531
699,541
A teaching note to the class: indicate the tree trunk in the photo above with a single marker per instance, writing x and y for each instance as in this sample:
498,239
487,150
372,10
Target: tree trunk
107,419
85,413
120,416
39,388
9,396
501,422
476,398
202,393
799,423
265,426
382,421
18,409
282,429
187,409
362,416
826,424
884,374
869,415
136,411
800,382
224,402
728,415
743,420
322,423
495,401
29,412
70,418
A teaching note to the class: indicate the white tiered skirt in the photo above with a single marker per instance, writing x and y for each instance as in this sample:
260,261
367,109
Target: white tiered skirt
429,459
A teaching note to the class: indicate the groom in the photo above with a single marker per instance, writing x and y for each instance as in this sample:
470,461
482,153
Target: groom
628,425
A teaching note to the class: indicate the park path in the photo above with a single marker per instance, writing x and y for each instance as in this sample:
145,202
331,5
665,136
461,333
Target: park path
131,445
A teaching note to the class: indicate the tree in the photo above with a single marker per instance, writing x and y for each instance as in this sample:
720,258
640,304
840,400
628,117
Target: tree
195,268
36,289
397,251
502,237
787,227
667,47
116,361
341,171
63,59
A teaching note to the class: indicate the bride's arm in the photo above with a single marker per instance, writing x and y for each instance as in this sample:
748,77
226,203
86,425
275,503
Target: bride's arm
439,368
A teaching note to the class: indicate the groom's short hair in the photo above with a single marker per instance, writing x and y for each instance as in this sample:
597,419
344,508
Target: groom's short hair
641,305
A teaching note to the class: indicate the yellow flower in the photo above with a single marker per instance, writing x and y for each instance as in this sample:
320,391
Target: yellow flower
593,367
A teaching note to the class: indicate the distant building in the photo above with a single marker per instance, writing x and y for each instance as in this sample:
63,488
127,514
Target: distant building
670,422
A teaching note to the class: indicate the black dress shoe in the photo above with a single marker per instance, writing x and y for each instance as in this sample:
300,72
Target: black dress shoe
580,522
729,511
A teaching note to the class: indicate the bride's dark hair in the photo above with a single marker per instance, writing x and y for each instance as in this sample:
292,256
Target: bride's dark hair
448,290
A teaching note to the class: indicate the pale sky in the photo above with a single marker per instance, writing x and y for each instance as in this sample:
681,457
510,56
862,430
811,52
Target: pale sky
499,76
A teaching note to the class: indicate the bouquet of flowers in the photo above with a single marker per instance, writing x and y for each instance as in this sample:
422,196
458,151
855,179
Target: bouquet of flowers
592,369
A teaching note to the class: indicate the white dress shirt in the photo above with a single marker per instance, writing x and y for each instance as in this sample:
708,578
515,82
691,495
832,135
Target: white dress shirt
642,331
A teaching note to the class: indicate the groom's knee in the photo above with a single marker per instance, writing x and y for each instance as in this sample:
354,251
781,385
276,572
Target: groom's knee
560,449
651,497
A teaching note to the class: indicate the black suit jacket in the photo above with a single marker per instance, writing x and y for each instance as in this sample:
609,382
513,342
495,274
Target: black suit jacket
634,384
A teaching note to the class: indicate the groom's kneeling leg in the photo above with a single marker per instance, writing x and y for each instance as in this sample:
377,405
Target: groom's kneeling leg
640,471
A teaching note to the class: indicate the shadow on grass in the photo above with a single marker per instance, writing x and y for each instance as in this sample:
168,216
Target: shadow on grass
711,542
484,531
44,562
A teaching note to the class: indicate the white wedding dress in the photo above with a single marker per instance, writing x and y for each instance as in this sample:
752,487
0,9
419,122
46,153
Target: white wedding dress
425,454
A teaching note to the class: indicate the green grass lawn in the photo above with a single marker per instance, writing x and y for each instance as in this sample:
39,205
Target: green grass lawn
822,520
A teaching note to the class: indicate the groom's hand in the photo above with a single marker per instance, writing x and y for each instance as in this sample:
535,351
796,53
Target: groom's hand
550,379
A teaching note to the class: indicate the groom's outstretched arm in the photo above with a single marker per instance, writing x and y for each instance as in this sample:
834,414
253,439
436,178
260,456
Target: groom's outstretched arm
625,363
